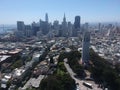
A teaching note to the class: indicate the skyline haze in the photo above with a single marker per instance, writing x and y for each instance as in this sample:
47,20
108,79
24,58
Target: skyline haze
29,11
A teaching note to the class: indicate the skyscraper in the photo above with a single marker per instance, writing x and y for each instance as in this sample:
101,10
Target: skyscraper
64,27
69,29
77,22
28,30
85,28
44,26
64,18
85,47
20,29
46,17
35,28
56,27
20,26
76,25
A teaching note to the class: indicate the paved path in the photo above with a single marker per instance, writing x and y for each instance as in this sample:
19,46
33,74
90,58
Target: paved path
81,86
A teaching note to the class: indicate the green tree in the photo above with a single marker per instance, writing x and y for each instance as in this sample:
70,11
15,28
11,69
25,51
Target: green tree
17,64
50,83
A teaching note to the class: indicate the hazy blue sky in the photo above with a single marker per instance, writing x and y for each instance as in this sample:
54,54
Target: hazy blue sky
33,10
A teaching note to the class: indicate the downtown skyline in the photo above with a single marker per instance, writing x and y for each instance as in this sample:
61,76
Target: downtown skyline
29,11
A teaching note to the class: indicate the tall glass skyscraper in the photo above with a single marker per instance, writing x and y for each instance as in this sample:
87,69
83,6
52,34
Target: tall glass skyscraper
77,22
76,26
46,17
20,26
